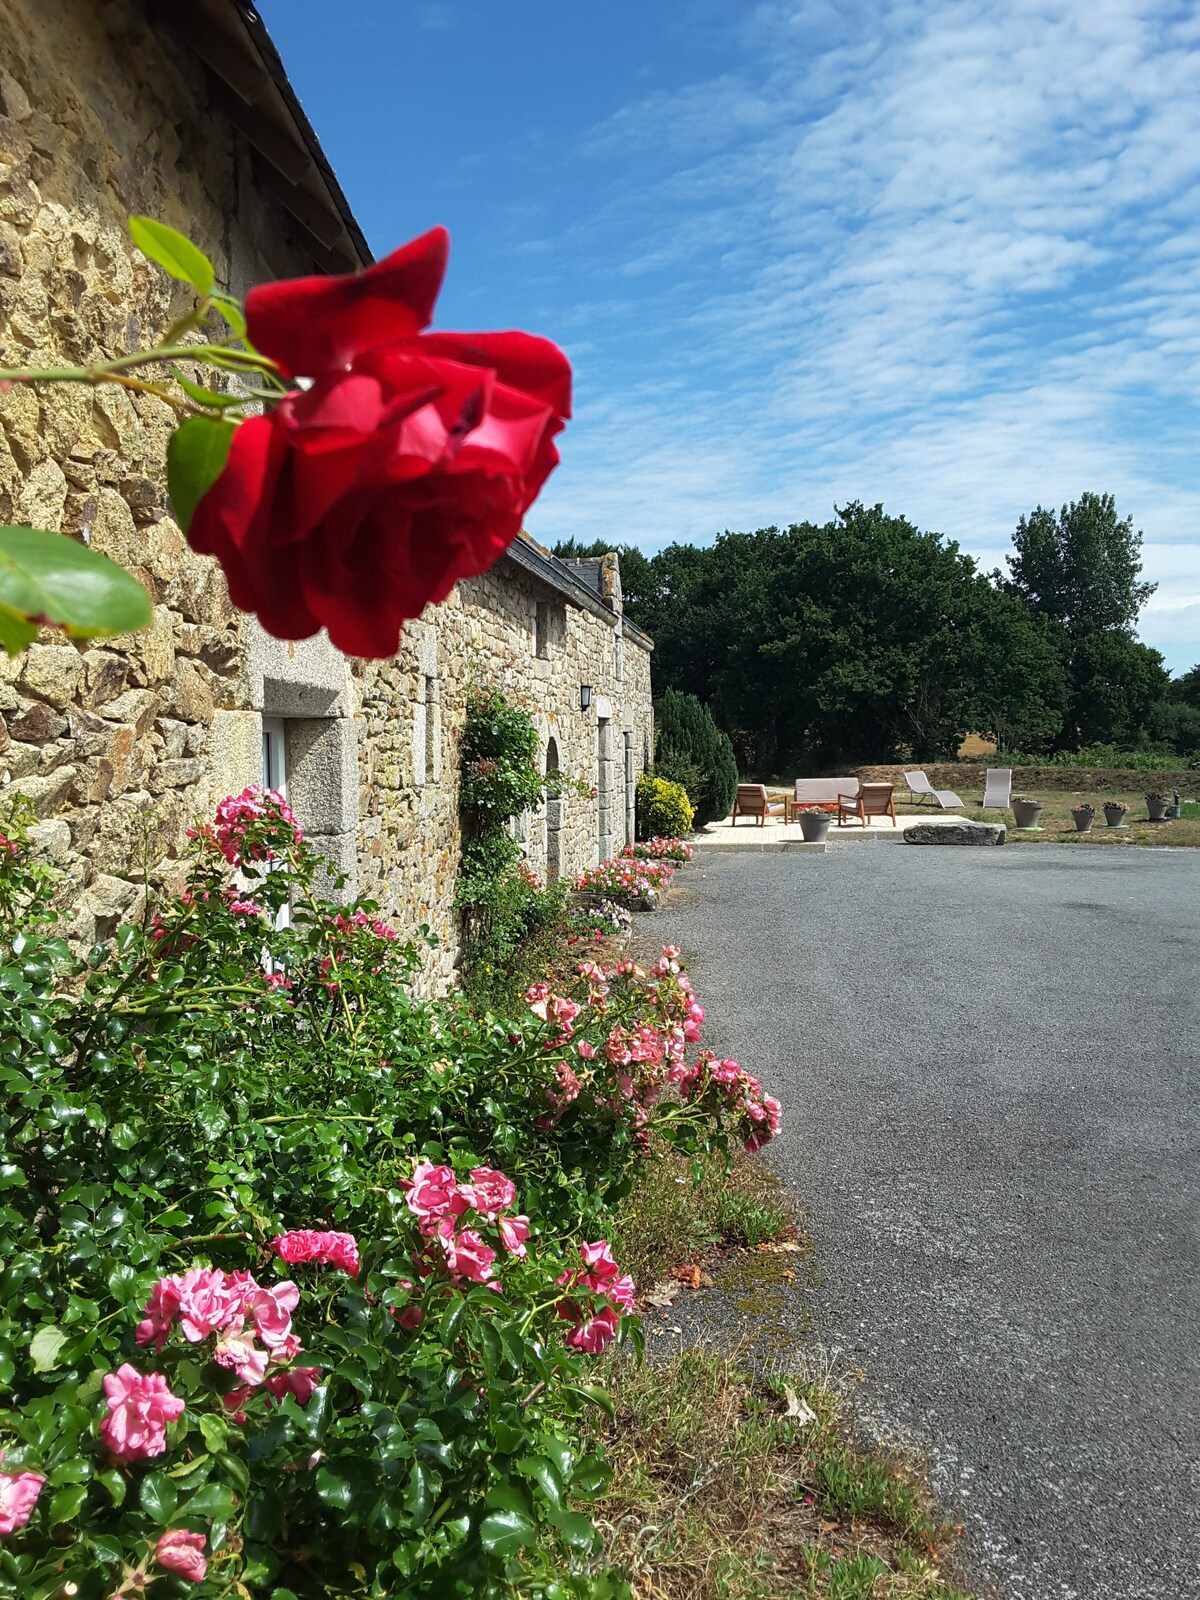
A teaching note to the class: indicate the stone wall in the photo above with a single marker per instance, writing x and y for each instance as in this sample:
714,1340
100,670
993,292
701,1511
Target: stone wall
100,117
412,710
121,745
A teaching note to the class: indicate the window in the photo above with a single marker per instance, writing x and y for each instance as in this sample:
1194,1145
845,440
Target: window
541,630
274,732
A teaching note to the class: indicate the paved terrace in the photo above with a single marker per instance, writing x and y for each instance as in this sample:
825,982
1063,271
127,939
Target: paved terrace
775,834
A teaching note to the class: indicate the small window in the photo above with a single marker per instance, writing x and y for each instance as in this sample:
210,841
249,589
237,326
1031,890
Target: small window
541,630
274,731
431,730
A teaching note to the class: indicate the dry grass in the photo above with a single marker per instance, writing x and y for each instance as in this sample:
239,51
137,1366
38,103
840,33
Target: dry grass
679,1209
728,1487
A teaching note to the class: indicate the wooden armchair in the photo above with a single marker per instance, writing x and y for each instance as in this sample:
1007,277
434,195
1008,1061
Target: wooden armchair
752,800
872,800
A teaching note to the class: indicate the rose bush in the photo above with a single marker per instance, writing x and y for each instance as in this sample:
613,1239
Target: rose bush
243,1160
660,849
627,878
411,1426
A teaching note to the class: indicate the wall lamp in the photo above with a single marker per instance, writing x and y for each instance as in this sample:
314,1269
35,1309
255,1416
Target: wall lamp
585,696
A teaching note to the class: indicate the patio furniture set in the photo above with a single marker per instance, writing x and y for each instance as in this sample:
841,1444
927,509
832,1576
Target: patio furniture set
851,800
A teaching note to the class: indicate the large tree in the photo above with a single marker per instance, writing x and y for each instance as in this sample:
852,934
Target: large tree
819,646
1080,568
1079,575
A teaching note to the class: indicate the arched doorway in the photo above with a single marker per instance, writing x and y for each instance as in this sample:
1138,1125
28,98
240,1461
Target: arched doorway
554,809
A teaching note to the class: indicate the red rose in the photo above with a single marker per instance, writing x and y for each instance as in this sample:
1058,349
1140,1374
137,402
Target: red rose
408,463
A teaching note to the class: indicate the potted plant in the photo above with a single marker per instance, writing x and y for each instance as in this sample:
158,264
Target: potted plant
814,825
1114,813
1084,816
1156,806
1027,812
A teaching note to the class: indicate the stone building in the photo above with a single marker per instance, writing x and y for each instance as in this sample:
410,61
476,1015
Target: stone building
113,107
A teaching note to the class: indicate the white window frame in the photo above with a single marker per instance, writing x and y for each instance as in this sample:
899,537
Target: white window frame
274,767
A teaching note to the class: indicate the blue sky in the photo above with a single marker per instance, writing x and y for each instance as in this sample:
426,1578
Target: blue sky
943,254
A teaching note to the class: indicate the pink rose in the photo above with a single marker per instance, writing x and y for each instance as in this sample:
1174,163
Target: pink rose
598,1259
236,1349
594,1331
207,1302
331,1249
182,1552
413,1315
433,1194
18,1496
272,1312
469,1257
513,1233
489,1191
161,1311
139,1408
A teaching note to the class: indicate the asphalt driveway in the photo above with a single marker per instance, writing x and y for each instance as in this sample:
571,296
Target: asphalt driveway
988,1063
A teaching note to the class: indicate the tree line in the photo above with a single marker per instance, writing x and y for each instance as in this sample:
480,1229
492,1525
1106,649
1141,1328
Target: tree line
866,639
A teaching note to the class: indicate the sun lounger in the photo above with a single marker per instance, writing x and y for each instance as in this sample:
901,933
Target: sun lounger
919,787
997,789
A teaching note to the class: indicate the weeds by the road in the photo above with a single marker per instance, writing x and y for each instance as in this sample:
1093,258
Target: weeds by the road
730,1484
731,1487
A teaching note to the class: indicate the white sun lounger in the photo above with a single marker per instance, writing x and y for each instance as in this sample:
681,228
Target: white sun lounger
997,789
919,786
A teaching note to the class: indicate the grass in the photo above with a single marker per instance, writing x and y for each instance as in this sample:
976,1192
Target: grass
1058,826
731,1482
732,1487
678,1210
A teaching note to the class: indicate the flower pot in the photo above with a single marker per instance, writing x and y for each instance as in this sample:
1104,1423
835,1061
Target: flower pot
1027,812
1114,816
1083,820
1156,808
815,828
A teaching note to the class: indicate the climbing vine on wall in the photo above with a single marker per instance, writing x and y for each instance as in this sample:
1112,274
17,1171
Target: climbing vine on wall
503,905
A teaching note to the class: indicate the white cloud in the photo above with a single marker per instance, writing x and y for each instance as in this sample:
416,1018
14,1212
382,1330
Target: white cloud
943,253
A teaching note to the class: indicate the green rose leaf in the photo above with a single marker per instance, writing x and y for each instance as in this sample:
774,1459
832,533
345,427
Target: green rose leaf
333,1490
173,253
159,1498
48,578
543,1472
505,1532
576,1529
203,396
196,457
45,1347
67,1502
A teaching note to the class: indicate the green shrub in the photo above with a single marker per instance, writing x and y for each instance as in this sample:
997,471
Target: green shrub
663,808
689,740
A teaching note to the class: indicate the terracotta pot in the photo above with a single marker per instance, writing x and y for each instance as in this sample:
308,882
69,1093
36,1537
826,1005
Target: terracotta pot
1027,812
814,828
